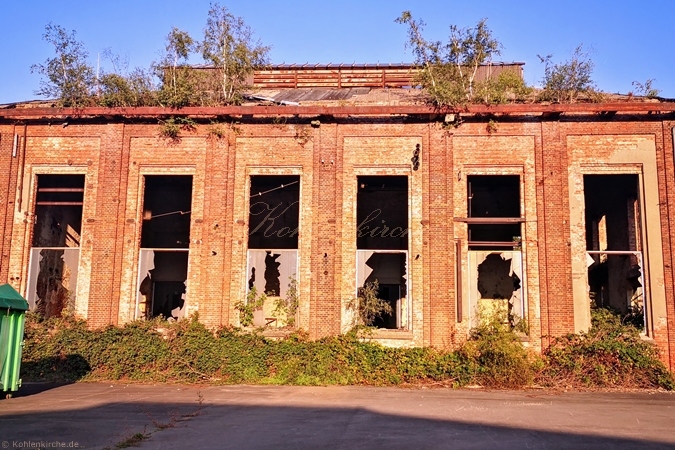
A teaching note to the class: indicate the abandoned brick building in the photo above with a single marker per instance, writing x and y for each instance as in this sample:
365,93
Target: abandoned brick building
334,176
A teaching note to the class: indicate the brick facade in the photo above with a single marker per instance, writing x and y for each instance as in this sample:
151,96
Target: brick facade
550,154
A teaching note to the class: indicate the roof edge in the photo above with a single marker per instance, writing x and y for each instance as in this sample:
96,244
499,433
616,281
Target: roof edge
379,110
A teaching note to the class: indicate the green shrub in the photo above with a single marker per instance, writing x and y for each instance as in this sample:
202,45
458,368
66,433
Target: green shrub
495,356
59,349
611,354
368,305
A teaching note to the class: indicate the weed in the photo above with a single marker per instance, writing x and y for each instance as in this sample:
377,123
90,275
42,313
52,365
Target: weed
246,308
646,89
161,425
216,130
171,128
198,412
288,306
279,121
133,440
492,126
236,129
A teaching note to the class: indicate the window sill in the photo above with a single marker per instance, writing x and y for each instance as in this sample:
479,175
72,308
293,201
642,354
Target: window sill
384,333
278,333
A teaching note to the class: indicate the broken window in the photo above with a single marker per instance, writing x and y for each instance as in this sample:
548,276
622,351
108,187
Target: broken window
495,286
55,252
382,243
273,228
495,259
165,240
613,243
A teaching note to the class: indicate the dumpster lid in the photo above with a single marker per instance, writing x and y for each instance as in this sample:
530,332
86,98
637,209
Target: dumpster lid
11,299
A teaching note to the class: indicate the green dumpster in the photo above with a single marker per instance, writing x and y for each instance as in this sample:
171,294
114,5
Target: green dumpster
12,316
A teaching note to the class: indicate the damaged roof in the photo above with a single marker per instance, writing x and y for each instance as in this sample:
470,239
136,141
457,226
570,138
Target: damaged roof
344,90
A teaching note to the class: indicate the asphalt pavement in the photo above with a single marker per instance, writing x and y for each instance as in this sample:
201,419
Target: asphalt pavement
100,415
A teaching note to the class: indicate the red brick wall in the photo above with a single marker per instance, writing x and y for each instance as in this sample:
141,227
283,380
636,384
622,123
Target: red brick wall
111,225
8,179
667,210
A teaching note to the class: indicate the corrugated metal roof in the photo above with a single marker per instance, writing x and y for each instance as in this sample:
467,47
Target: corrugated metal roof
318,94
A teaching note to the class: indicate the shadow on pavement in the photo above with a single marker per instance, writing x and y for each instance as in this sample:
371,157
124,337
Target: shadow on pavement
181,425
32,388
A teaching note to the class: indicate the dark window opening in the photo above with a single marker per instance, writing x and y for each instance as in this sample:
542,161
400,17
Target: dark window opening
382,213
54,261
165,239
382,242
612,213
494,195
58,211
167,204
163,287
493,212
389,270
273,231
496,279
613,241
274,214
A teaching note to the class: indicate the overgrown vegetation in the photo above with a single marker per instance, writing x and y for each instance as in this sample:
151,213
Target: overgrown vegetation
133,440
171,127
249,306
287,306
610,355
119,88
178,85
647,89
228,47
67,76
368,305
567,82
448,70
495,354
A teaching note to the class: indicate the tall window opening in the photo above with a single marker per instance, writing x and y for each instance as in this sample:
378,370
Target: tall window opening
55,252
273,229
614,244
382,244
495,259
165,240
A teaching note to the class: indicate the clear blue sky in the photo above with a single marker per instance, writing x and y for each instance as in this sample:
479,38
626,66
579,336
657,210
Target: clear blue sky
629,39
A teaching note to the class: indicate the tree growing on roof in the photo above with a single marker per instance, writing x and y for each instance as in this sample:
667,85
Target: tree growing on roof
68,77
121,88
448,70
647,89
229,46
566,82
180,86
